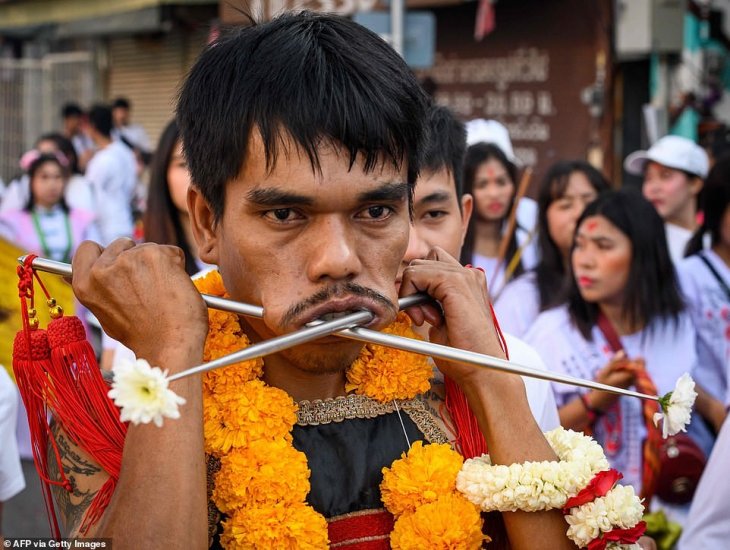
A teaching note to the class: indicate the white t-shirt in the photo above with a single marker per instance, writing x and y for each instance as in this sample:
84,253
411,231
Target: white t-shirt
668,353
539,392
677,239
112,175
518,305
134,134
708,524
709,308
77,194
529,259
11,472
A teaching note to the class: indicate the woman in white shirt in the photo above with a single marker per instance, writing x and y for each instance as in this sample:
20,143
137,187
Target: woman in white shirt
566,189
705,278
46,225
624,290
491,178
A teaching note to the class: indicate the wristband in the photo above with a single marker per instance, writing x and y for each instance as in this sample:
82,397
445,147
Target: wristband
593,413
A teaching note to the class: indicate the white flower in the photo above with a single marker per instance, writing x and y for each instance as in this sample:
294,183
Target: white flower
619,509
141,392
677,407
533,486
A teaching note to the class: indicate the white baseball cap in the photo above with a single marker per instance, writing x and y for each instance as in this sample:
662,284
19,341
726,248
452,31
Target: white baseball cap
481,130
673,152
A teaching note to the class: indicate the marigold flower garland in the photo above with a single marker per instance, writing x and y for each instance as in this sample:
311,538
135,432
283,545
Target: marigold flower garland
263,480
420,491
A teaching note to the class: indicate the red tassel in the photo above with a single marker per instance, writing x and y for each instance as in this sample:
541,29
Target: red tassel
470,441
57,371
79,400
31,362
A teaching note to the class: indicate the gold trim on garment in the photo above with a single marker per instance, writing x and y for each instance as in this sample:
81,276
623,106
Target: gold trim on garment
339,409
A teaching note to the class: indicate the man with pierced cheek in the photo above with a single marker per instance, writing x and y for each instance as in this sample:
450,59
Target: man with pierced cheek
303,154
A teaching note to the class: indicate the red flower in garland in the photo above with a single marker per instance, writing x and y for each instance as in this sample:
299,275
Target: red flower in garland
599,486
621,536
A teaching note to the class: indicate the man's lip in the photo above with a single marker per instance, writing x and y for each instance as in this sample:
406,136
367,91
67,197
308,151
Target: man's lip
354,303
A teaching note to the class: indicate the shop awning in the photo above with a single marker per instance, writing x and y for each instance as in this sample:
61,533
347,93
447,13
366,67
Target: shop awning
74,17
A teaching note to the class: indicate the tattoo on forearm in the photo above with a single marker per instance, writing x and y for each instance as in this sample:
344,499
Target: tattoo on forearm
71,504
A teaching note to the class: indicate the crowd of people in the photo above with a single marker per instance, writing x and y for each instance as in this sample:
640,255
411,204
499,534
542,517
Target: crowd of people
628,287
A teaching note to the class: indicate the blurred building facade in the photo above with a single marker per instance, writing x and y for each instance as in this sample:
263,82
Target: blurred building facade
593,79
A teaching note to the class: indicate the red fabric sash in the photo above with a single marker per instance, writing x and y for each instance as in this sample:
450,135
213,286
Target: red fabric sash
643,384
365,530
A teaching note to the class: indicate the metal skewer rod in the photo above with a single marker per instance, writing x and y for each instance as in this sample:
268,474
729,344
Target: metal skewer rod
481,360
343,327
214,302
281,343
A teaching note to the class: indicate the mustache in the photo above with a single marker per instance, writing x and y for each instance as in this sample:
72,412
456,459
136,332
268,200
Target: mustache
336,291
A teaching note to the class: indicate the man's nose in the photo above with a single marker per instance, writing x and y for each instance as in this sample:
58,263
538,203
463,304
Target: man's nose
417,246
333,252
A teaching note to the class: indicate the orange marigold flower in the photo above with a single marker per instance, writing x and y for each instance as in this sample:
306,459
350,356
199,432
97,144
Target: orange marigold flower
254,411
421,476
281,526
384,374
449,523
210,283
262,473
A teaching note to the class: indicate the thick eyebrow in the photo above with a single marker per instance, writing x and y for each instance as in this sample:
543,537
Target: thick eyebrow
277,197
388,192
437,197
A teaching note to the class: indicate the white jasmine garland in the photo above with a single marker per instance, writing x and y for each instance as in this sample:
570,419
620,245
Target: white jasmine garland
677,407
534,486
619,509
142,393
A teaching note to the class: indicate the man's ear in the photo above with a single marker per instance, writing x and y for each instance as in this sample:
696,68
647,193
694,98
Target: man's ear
467,208
204,226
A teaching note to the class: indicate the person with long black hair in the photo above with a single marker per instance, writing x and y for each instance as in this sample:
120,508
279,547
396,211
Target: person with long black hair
624,324
566,189
46,225
166,219
491,178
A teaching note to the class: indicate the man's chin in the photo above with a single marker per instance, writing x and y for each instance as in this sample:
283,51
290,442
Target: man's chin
324,357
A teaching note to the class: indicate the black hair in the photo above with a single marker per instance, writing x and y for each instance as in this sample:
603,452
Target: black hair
318,79
33,168
476,155
100,117
69,151
71,109
552,275
122,102
161,220
446,146
652,291
715,201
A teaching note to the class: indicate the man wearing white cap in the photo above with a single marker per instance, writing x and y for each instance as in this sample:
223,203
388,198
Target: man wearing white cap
673,170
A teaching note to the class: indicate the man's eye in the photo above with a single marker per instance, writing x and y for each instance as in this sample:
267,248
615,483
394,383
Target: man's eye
435,214
280,214
377,212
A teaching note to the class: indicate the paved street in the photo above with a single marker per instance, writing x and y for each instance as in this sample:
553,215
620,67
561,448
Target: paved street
24,515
